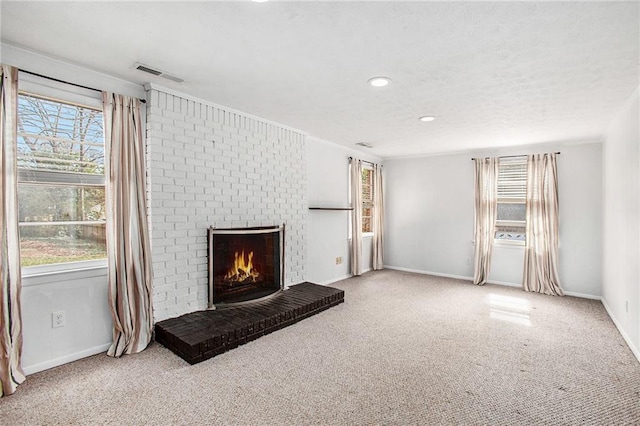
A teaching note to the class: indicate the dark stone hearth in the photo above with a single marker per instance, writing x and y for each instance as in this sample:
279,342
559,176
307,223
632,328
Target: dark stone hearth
201,335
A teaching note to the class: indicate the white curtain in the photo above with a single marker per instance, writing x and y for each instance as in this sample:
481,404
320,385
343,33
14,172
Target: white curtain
11,374
486,205
128,248
356,216
378,218
541,253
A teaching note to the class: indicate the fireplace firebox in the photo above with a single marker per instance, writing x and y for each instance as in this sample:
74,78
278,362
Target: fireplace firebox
245,264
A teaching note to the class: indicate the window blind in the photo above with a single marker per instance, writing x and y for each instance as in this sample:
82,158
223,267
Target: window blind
512,180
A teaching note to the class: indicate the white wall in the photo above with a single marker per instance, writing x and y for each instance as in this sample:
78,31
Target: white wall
621,279
81,294
429,217
328,231
211,166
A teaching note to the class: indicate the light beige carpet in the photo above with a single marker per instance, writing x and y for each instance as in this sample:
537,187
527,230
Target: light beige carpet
402,349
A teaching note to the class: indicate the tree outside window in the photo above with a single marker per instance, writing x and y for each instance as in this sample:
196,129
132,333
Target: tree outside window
61,192
367,199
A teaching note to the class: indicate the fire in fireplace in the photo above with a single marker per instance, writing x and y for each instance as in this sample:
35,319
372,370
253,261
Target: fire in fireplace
245,264
242,272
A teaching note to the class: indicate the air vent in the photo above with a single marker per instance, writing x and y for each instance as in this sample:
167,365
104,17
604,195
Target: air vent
157,73
149,70
365,144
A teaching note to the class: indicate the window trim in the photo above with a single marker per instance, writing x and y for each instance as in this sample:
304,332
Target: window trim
53,90
61,268
511,243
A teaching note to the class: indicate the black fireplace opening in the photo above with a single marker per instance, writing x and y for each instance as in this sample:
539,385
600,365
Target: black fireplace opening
244,264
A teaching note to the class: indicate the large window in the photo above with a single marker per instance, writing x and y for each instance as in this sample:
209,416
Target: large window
512,193
61,177
367,199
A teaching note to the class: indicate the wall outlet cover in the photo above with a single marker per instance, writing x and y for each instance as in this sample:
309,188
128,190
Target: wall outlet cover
57,319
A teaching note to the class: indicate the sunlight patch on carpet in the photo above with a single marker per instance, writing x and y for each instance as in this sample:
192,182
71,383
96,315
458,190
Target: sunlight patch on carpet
510,309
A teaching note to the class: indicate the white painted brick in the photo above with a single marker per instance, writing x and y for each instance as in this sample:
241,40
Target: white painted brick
212,167
181,124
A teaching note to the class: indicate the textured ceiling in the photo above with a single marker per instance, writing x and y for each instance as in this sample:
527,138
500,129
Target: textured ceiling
494,74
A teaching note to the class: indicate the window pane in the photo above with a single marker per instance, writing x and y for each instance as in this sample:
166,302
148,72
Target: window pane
367,185
56,136
367,199
50,203
41,245
366,220
511,211
512,190
61,150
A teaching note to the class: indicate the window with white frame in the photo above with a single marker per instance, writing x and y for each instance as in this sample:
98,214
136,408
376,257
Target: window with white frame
512,193
367,199
61,181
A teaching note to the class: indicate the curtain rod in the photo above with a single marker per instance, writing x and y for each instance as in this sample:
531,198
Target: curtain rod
368,162
513,156
67,82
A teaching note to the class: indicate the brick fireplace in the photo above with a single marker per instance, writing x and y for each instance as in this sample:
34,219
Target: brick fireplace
245,264
212,166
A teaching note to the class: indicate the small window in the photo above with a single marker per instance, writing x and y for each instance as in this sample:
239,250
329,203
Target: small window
61,181
512,193
367,199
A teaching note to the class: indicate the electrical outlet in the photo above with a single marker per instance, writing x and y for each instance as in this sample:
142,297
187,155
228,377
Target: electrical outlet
57,319
339,260
468,261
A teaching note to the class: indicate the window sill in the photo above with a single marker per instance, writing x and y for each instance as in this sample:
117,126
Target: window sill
42,274
518,245
364,235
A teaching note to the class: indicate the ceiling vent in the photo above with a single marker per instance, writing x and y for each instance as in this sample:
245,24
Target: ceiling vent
365,144
157,73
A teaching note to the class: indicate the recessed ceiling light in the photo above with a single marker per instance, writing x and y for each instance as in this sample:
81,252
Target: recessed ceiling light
379,81
427,118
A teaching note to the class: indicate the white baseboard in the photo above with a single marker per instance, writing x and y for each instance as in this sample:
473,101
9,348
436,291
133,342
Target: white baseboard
31,369
582,295
625,336
504,283
343,277
334,280
457,277
566,293
437,274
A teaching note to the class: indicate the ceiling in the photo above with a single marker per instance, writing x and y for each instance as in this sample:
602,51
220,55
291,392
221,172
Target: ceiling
494,74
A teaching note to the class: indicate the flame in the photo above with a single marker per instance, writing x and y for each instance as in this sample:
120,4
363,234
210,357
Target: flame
242,271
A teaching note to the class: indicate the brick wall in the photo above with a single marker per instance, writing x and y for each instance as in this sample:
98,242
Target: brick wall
209,166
